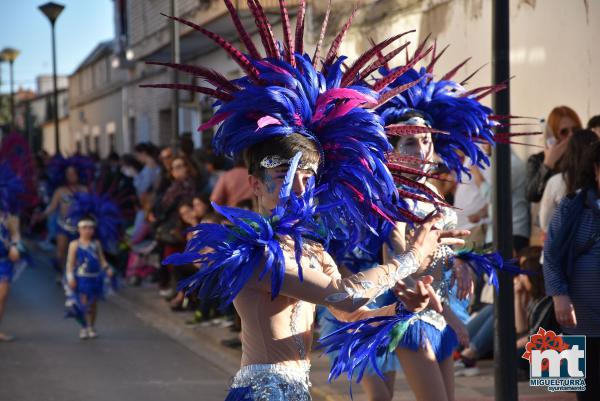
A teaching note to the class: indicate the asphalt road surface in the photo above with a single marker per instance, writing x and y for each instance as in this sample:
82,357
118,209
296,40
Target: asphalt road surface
129,361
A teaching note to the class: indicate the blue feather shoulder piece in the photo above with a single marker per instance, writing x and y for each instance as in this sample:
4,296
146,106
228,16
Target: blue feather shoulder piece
358,344
488,264
229,255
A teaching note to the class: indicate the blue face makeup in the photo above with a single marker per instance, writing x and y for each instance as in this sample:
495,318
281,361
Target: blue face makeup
269,183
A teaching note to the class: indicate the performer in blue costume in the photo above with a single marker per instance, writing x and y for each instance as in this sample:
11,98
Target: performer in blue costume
428,121
98,221
310,137
67,177
11,190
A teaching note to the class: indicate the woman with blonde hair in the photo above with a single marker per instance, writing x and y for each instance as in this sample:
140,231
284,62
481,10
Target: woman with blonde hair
562,122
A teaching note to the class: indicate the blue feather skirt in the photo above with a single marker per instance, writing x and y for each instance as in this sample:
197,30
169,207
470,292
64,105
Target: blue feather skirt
6,270
419,333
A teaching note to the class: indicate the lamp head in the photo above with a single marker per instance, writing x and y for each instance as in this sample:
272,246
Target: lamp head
9,54
51,10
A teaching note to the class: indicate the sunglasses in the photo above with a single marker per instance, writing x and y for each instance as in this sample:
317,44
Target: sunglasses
566,131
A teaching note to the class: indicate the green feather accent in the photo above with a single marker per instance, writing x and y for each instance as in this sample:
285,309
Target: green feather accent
397,333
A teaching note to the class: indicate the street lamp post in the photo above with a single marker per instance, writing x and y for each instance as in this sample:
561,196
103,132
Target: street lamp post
2,60
9,54
505,354
52,11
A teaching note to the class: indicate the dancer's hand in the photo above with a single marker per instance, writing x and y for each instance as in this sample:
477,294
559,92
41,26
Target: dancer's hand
72,284
461,275
459,328
420,297
564,311
427,238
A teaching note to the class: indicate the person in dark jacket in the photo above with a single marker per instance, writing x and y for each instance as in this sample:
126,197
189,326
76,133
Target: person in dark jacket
572,265
562,122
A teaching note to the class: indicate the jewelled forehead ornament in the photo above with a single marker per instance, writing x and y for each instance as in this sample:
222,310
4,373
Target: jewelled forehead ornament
274,161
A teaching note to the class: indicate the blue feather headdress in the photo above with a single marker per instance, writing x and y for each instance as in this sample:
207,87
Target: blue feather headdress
458,121
102,210
84,166
284,93
229,255
12,190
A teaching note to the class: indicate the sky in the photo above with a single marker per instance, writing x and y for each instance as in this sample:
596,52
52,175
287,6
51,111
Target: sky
79,28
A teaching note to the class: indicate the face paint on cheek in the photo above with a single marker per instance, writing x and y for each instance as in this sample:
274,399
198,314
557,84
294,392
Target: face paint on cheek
269,184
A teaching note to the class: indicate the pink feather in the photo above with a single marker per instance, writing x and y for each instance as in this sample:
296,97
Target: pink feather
299,37
317,53
209,75
407,130
193,88
266,121
387,96
244,36
264,28
350,75
335,45
384,82
380,62
331,95
216,119
237,56
287,34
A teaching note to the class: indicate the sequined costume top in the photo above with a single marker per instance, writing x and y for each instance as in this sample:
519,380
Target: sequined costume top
441,261
280,331
87,261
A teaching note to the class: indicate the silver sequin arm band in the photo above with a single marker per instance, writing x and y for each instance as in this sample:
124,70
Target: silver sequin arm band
408,262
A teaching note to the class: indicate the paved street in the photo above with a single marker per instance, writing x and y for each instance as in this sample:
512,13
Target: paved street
129,361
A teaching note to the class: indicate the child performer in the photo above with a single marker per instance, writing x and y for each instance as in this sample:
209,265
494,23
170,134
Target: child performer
97,222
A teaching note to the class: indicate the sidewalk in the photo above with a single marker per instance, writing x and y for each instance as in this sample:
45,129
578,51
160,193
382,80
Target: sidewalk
145,303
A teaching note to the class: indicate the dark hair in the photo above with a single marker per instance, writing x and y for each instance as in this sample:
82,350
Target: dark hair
186,143
130,161
204,196
285,147
594,122
531,263
574,162
113,156
142,147
592,161
187,201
